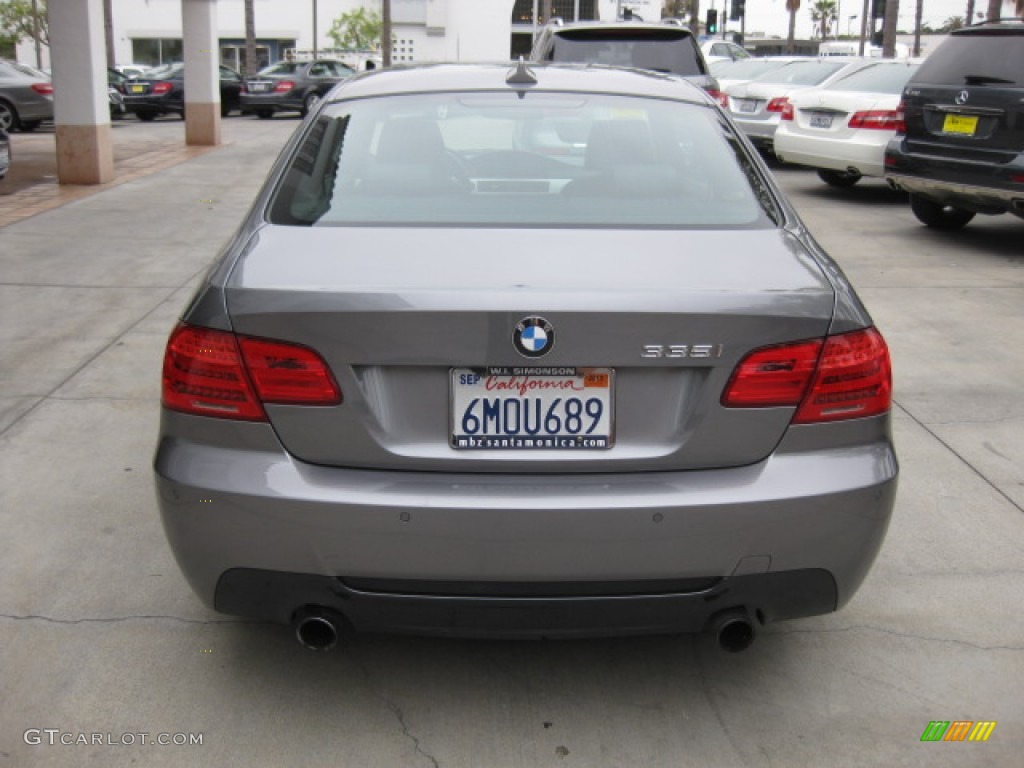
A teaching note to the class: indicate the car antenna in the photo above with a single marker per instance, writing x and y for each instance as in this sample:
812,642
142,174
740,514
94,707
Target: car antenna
522,75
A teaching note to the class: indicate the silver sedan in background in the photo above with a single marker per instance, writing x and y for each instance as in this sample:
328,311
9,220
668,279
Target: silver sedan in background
26,97
453,377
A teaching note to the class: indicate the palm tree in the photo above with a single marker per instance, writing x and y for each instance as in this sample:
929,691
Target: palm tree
823,13
250,39
385,32
995,10
792,6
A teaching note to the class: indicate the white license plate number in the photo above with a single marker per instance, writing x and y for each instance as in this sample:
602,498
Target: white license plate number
529,409
821,121
748,106
257,87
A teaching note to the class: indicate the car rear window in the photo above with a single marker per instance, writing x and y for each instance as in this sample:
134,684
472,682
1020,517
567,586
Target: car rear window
877,78
509,160
660,50
281,68
973,59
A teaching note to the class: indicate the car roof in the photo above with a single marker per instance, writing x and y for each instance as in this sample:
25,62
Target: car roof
618,25
998,26
561,77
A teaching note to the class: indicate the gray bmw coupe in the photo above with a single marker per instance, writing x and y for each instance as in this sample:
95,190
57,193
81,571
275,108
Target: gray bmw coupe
524,352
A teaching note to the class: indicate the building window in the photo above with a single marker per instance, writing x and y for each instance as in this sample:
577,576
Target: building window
155,51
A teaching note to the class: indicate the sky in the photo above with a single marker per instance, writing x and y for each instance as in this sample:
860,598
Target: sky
771,17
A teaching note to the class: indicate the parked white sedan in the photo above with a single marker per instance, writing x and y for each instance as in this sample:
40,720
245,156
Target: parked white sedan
757,106
842,128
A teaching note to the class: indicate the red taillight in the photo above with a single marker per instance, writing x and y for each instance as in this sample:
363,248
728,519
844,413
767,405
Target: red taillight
772,376
845,377
788,111
777,104
721,98
878,119
283,86
853,379
162,87
288,374
43,89
205,374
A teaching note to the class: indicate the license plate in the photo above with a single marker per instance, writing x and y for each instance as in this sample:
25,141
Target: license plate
137,88
257,87
532,408
821,121
748,106
965,125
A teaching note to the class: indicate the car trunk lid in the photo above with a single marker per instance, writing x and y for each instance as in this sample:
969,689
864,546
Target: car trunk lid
665,314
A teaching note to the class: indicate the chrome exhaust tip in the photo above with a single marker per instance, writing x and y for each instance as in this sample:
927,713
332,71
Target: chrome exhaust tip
733,630
318,628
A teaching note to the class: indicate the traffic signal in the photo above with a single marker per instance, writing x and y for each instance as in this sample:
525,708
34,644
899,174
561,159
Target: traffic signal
737,10
711,21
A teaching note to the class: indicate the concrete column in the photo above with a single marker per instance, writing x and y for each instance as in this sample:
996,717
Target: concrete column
202,72
81,109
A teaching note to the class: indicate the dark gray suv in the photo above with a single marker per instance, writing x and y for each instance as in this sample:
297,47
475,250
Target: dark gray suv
961,152
667,48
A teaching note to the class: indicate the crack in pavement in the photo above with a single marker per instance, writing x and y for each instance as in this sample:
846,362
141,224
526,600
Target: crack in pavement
397,712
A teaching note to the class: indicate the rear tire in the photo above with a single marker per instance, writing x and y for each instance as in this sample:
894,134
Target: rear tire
838,179
939,216
146,116
8,117
264,114
309,103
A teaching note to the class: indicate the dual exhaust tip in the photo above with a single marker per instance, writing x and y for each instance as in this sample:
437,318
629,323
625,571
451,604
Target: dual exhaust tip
321,629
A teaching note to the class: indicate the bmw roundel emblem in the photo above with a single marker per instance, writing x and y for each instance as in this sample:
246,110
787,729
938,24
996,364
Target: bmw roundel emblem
533,337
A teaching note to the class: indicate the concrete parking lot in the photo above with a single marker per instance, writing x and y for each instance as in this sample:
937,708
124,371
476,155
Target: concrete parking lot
99,634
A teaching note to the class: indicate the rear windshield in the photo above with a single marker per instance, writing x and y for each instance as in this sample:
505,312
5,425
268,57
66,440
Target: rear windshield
975,59
659,50
281,68
502,159
802,72
877,78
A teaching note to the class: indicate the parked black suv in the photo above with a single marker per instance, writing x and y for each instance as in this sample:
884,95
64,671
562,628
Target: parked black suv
669,48
962,152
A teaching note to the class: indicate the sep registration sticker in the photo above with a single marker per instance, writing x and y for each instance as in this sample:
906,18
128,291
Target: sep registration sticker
532,408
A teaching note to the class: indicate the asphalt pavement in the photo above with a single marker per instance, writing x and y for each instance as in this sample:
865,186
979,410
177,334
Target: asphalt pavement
102,641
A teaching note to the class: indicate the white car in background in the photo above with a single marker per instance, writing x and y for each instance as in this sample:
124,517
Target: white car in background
842,128
723,50
757,106
729,72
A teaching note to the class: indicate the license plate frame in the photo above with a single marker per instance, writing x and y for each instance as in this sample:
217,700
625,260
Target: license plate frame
820,120
960,125
137,88
528,408
748,106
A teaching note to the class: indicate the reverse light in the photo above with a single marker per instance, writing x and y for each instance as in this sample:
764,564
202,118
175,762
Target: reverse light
777,104
879,119
214,373
162,87
848,376
43,89
283,86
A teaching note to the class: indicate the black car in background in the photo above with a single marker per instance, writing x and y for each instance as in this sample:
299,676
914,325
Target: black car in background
162,91
292,86
665,47
962,150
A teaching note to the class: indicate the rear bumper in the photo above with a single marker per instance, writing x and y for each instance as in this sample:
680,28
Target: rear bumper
975,186
258,533
863,152
411,608
287,102
760,132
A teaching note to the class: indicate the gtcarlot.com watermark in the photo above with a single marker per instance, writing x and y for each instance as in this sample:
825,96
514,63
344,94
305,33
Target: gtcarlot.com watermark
57,737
